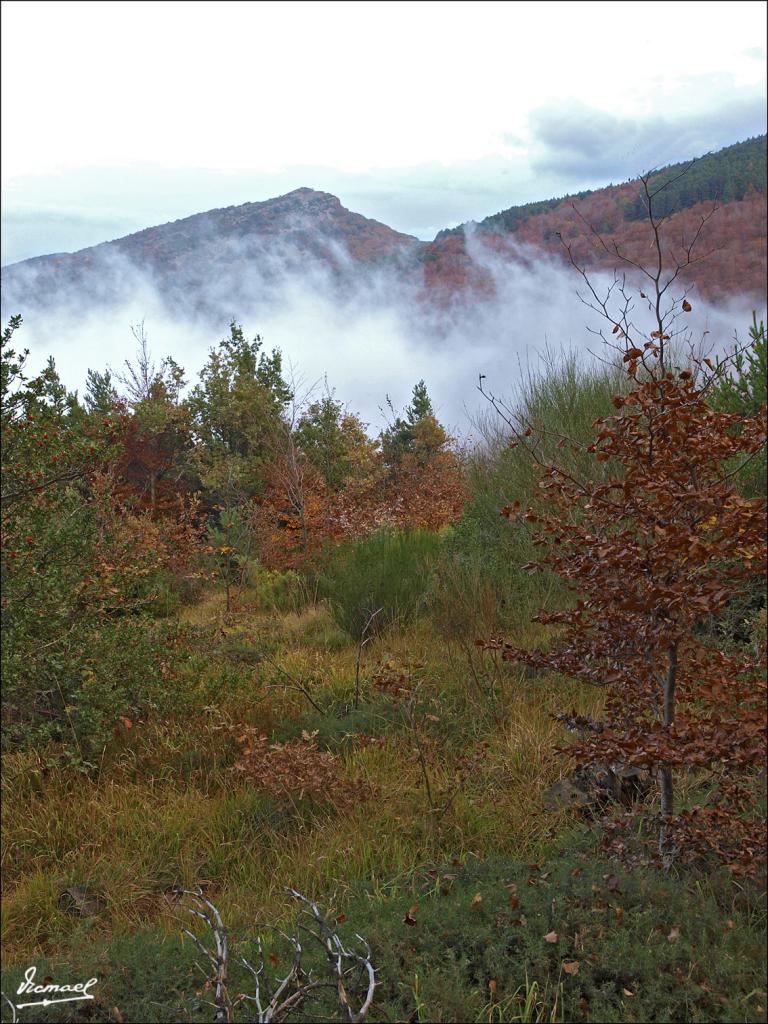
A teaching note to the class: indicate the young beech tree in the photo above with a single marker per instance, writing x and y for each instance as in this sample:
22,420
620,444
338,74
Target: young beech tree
651,547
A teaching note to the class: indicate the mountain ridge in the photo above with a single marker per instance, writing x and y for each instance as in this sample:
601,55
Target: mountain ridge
303,227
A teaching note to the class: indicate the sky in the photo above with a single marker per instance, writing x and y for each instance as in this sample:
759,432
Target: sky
116,115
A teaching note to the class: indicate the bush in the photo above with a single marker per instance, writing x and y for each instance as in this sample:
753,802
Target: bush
743,389
105,676
386,573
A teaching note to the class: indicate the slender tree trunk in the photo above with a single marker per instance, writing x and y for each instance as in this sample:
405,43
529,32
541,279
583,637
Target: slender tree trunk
357,672
666,782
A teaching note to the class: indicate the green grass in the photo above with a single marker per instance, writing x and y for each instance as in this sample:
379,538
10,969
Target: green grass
165,809
480,587
571,936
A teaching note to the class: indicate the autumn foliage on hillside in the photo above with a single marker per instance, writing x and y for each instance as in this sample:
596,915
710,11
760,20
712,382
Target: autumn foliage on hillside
735,240
733,181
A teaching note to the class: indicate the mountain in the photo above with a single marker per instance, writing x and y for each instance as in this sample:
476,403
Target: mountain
195,255
224,259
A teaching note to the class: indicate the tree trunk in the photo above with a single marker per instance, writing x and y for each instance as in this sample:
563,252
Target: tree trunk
666,782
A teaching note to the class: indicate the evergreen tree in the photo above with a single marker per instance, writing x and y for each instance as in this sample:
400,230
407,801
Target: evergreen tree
235,410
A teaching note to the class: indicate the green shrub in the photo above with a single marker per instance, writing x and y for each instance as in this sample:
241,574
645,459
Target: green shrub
385,575
98,673
575,938
338,727
147,976
743,389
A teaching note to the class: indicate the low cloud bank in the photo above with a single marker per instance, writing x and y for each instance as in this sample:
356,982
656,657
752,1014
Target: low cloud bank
370,332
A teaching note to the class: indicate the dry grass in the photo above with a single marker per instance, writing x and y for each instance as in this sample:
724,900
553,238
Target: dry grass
165,810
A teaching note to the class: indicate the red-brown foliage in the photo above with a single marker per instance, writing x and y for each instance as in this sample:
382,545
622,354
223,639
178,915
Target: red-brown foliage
652,546
736,236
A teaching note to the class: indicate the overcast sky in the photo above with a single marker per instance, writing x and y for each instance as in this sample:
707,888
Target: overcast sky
120,115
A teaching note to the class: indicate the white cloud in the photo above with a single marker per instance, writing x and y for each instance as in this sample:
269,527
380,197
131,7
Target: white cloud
261,86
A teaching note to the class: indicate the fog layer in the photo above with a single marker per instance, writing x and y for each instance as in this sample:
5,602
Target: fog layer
372,332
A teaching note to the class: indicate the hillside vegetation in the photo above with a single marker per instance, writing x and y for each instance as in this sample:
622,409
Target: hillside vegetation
733,180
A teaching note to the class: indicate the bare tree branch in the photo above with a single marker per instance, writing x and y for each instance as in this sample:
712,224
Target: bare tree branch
274,1002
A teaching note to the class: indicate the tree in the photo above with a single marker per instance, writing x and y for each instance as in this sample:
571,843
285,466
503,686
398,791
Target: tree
231,540
235,411
101,397
335,442
742,386
77,567
655,542
419,433
650,552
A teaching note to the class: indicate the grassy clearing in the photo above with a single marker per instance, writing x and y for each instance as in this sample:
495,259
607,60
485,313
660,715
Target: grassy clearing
165,809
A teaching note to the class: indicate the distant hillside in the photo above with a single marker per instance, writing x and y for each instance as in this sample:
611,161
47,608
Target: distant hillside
733,178
727,175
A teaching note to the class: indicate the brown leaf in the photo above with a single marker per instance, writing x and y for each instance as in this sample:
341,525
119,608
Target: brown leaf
409,917
551,937
514,900
674,934
117,1015
492,987
611,882
627,992
572,967
477,898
